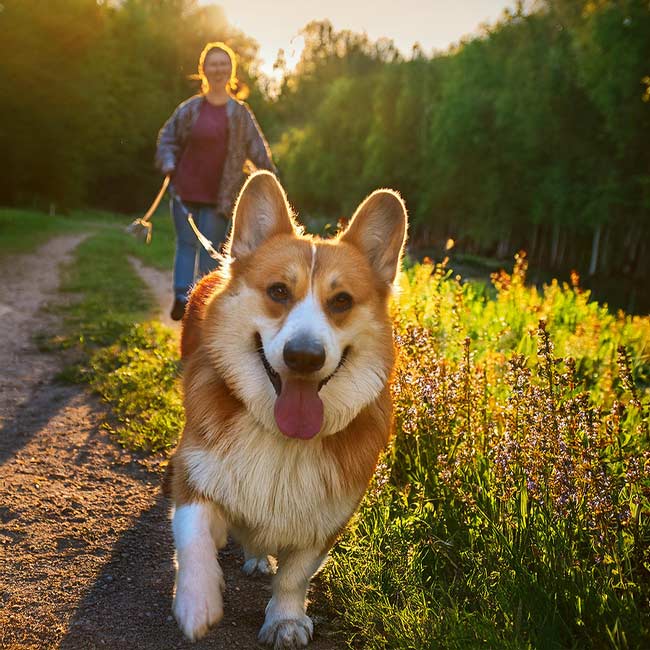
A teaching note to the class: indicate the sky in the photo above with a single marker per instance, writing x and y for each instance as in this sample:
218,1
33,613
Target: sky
435,24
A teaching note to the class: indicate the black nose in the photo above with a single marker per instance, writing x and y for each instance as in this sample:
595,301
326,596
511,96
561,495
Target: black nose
304,354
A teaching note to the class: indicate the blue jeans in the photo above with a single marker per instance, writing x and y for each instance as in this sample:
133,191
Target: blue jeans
192,261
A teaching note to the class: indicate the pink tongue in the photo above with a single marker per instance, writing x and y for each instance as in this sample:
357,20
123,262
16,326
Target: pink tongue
298,410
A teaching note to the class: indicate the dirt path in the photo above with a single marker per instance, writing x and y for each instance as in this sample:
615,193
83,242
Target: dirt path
160,284
85,547
28,282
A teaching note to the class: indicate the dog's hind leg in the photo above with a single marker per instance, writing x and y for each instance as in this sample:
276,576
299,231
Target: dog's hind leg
258,564
199,529
286,625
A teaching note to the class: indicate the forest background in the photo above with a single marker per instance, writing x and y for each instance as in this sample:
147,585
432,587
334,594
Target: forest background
531,134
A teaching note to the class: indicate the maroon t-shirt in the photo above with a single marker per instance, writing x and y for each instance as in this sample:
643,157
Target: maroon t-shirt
198,174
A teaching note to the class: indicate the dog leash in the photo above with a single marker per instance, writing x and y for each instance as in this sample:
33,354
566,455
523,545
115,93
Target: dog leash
156,201
142,227
203,240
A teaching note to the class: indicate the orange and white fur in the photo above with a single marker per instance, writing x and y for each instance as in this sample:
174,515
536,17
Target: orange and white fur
287,353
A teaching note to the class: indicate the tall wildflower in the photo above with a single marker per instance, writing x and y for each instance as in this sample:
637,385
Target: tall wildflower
513,507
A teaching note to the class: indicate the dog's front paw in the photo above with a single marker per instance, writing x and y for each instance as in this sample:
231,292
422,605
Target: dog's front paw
198,602
283,634
260,565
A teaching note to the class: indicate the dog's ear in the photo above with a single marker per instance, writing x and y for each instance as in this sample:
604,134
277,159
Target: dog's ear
260,212
378,229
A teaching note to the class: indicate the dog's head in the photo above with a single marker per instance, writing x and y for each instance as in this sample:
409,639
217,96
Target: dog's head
300,331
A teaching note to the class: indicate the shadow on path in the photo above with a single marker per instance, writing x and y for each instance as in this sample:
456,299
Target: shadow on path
45,402
129,605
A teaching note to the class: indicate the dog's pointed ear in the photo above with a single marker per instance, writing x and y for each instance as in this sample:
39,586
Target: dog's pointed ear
378,229
261,211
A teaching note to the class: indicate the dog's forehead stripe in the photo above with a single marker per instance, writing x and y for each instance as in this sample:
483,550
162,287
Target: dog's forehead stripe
331,267
313,265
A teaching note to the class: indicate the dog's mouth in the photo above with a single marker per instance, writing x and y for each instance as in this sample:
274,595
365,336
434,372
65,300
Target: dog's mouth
275,378
298,408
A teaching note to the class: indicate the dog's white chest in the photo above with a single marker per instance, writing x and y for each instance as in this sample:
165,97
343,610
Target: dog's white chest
282,492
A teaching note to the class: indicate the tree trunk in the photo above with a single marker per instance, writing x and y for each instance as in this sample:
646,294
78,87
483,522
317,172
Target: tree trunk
533,243
564,237
503,246
541,247
605,251
595,246
642,267
555,242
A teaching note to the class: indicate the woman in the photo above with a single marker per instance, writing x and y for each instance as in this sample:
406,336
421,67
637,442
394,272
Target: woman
204,147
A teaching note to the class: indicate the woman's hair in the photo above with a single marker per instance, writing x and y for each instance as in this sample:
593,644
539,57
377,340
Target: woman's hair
236,88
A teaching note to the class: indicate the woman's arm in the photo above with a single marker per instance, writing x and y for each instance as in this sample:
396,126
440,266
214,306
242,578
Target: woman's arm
257,149
168,147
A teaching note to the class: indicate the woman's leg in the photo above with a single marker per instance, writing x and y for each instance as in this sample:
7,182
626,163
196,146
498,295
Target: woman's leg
186,249
215,228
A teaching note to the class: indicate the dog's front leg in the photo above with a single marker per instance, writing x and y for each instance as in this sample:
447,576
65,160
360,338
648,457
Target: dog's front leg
199,530
286,625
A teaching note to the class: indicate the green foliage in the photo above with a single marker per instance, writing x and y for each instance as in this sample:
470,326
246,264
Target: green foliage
328,149
21,231
523,137
92,82
44,59
138,376
513,508
131,362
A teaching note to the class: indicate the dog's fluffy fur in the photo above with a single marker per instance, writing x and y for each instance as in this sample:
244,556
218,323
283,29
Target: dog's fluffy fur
278,450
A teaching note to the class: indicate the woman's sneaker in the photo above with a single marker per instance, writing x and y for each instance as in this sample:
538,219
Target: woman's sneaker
178,309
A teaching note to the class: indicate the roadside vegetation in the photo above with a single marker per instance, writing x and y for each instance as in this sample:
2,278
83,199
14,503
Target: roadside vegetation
512,509
125,356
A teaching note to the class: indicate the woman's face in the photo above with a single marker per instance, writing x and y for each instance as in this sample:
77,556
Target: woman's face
217,68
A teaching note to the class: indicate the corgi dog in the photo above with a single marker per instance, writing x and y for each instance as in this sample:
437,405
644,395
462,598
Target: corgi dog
287,355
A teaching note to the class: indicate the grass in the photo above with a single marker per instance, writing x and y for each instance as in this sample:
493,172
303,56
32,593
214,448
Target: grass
513,507
111,295
138,376
130,360
22,231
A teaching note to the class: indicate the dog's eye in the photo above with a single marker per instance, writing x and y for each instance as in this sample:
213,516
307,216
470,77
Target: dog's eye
279,292
340,302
